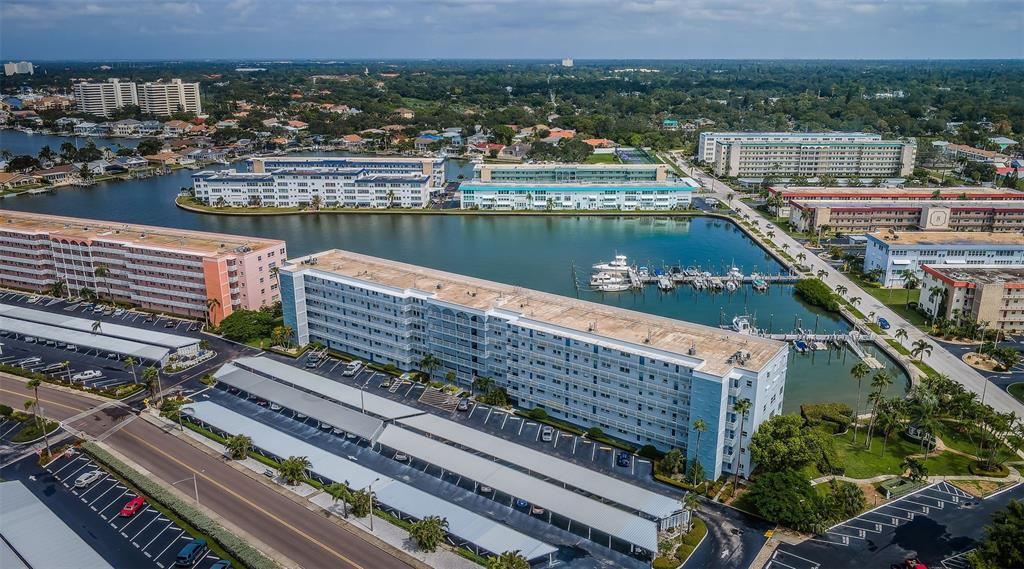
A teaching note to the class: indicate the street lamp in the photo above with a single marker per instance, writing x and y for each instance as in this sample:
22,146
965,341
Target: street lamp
370,488
195,485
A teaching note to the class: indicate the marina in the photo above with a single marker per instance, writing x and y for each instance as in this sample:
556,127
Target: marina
612,275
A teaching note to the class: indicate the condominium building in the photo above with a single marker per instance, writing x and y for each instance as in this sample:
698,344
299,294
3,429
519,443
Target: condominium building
19,68
164,270
989,295
640,378
318,187
625,196
962,151
167,98
102,99
570,173
433,168
707,140
857,158
861,194
930,215
893,252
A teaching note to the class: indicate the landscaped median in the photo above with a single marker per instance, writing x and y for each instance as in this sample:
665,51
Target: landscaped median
120,392
235,547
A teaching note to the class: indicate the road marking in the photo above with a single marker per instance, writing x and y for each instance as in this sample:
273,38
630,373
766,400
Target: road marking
155,518
135,517
245,500
47,401
169,526
70,462
114,500
171,543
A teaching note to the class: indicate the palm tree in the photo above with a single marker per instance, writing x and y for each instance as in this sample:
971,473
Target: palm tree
901,334
97,327
910,282
879,382
293,469
66,366
151,379
920,349
339,492
700,426
58,288
859,371
101,272
508,560
741,408
238,446
771,234
211,303
841,290
316,201
855,301
34,384
391,199
129,364
429,363
892,417
822,273
287,332
429,532
801,256
87,294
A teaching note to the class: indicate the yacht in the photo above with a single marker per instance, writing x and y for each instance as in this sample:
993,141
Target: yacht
665,283
613,287
619,264
734,273
731,286
742,325
606,278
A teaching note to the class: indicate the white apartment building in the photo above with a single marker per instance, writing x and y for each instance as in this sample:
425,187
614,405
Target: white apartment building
19,68
893,252
859,158
707,140
640,378
165,99
433,168
102,99
626,196
304,187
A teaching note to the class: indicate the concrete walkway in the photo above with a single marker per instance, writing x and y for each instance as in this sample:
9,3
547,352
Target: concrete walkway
940,359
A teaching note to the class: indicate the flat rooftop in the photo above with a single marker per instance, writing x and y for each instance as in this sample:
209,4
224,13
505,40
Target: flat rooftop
980,275
132,235
570,166
948,238
682,184
793,134
952,192
909,204
714,346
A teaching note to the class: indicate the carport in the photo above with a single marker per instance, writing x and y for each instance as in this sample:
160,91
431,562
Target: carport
599,522
144,352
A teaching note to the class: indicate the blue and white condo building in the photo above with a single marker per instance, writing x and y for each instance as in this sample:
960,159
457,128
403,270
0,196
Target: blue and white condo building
640,378
894,252
622,196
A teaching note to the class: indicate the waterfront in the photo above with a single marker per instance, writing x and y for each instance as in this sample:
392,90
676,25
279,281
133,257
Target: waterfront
531,251
17,142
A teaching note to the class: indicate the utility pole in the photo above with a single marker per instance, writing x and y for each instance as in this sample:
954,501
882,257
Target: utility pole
370,487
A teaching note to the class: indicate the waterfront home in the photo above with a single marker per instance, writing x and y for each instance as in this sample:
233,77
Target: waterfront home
423,142
125,127
14,180
64,123
151,128
487,148
131,162
101,167
164,158
86,129
58,175
176,128
353,141
515,151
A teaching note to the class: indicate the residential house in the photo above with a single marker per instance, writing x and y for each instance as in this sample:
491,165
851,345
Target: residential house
164,158
298,125
101,167
67,122
486,148
423,141
600,143
131,162
670,124
86,129
269,123
227,123
515,151
405,113
58,175
151,128
176,128
13,180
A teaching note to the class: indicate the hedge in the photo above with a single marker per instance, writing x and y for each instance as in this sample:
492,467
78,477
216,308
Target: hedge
840,415
976,469
235,546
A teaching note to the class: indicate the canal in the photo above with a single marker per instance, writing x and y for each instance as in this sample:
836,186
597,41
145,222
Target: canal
537,252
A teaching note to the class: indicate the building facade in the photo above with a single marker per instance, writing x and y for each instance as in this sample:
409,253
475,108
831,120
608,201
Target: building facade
102,99
859,158
989,295
19,68
164,99
432,168
570,173
806,194
188,273
893,252
707,140
640,378
927,215
663,196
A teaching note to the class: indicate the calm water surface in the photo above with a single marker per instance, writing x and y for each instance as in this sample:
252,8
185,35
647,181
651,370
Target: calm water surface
536,252
18,142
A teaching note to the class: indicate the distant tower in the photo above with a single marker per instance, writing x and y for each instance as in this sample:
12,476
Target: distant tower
567,62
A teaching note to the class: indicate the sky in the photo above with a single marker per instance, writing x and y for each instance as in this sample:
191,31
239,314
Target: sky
522,29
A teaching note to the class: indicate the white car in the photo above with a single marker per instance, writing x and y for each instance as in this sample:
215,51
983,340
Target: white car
88,478
87,374
352,368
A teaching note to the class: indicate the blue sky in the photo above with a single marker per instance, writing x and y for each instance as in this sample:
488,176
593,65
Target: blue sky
669,29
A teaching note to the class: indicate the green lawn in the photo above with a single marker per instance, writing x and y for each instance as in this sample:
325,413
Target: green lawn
947,464
1017,390
602,159
895,299
861,463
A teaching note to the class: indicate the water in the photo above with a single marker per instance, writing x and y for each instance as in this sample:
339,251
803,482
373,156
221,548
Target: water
530,251
18,142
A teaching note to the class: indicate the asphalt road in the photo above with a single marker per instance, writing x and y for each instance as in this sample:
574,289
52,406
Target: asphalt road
297,533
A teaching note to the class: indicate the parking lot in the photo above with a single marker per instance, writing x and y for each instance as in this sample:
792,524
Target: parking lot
153,535
43,357
937,524
103,313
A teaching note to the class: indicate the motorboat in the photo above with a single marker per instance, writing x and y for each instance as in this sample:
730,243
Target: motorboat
742,325
759,283
665,283
613,287
731,286
800,346
734,273
619,264
606,278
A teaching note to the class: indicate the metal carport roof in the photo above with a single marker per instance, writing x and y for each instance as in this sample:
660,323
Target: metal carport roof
472,527
139,335
310,405
84,339
374,404
608,519
611,489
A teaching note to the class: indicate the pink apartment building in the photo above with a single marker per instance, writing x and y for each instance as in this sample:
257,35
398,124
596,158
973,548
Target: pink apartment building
155,268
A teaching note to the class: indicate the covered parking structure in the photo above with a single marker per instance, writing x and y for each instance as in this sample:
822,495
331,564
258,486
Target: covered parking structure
480,534
564,508
665,510
123,348
311,405
380,407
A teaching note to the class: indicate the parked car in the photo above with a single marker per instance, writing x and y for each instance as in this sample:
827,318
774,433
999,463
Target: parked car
353,368
268,473
521,503
275,407
463,404
30,339
150,318
133,506
486,489
88,478
312,361
325,426
30,361
537,511
406,377
87,374
547,433
72,348
222,564
170,324
191,553
262,402
401,457
622,459
883,323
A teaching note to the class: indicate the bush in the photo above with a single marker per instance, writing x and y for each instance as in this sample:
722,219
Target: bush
6,410
595,432
815,292
837,415
245,325
239,549
30,432
978,469
650,452
537,413
666,563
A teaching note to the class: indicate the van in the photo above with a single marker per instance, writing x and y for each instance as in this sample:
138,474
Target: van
191,553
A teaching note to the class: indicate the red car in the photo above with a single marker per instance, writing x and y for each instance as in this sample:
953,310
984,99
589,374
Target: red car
132,507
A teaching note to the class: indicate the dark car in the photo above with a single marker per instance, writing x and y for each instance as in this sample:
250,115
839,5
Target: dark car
883,323
191,553
622,459
222,564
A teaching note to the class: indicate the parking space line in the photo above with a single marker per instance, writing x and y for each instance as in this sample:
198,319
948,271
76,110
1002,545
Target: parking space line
181,531
114,500
155,518
169,526
904,509
97,484
145,508
87,463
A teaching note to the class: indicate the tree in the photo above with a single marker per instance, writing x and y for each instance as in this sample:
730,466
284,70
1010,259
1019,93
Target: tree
483,384
293,469
58,288
360,500
429,363
33,384
741,408
855,301
1003,544
901,335
429,532
785,443
910,282
700,427
316,202
844,500
785,497
672,463
339,492
915,468
87,294
919,349
101,272
68,152
149,146
46,154
879,383
129,364
151,379
246,325
238,446
841,290
508,560
859,372
97,327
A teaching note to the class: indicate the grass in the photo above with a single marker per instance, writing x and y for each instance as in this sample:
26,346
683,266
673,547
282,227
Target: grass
1017,390
861,463
602,159
894,299
31,431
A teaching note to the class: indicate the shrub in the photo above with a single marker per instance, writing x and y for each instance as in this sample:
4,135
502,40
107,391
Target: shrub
815,292
6,410
650,452
838,415
595,432
30,432
245,325
666,563
978,469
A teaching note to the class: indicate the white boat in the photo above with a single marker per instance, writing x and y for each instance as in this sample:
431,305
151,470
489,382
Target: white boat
665,283
605,278
619,264
742,325
613,287
731,286
734,273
